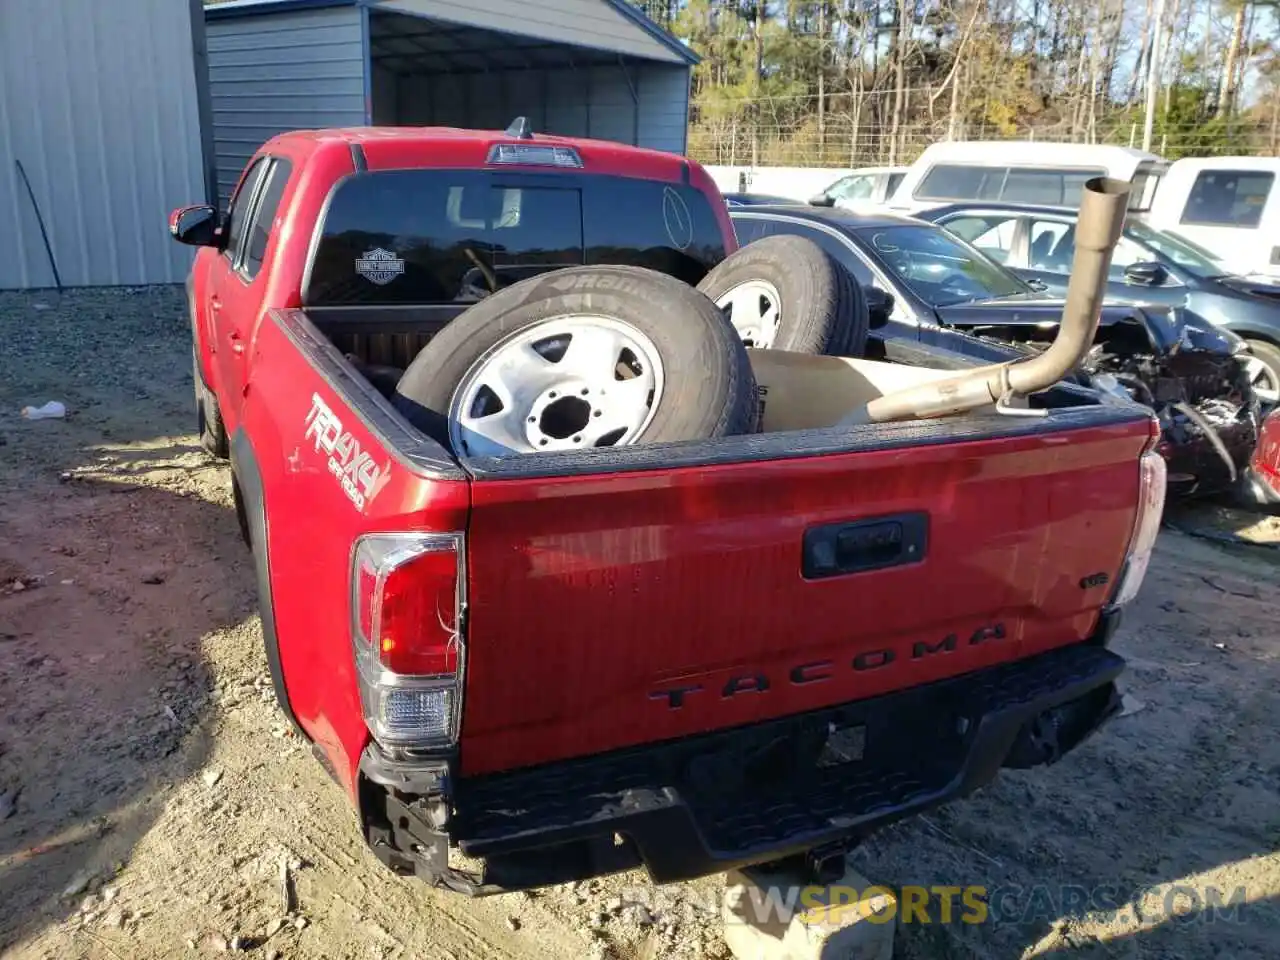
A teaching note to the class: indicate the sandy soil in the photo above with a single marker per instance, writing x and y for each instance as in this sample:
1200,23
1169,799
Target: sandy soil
151,793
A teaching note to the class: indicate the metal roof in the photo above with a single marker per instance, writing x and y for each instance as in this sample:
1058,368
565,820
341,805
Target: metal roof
214,11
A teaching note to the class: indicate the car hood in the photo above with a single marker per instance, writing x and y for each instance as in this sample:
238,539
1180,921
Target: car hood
1267,290
1169,329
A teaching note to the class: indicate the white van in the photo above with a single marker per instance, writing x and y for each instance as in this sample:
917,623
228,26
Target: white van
1023,171
1228,205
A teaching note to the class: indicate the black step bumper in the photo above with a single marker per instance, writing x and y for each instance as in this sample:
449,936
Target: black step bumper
710,803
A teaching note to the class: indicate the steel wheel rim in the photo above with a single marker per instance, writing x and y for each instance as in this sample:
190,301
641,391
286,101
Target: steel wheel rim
754,307
566,383
1264,380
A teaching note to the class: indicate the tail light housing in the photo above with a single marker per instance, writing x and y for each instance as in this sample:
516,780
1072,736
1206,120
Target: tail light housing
408,602
1152,481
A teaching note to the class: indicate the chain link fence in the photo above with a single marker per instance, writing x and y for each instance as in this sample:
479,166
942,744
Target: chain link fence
860,139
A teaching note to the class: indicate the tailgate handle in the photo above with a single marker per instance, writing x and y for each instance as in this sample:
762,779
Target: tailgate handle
841,548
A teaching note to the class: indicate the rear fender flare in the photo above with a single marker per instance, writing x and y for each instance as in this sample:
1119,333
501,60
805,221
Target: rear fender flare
248,478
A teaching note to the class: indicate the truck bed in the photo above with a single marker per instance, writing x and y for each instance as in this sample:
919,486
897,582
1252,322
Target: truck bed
694,571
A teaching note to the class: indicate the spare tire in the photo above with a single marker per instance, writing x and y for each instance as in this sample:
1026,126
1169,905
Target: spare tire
581,357
785,292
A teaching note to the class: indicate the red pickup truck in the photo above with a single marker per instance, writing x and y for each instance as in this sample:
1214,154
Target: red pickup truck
688,655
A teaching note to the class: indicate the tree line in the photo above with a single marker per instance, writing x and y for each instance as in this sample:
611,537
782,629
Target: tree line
858,82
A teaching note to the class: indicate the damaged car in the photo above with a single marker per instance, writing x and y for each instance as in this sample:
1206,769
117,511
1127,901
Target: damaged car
1148,266
928,288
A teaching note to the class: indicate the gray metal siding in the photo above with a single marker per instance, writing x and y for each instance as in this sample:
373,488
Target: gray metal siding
584,23
99,103
287,71
589,102
664,107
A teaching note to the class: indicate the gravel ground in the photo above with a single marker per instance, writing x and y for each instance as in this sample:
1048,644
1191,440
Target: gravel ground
151,793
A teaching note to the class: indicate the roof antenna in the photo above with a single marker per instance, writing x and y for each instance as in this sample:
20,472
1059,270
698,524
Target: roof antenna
520,129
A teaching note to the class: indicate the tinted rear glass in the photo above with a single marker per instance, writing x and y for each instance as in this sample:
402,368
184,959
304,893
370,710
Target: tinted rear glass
955,181
454,236
1229,198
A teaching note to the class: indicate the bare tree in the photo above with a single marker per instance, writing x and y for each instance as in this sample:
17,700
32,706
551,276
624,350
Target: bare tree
1226,92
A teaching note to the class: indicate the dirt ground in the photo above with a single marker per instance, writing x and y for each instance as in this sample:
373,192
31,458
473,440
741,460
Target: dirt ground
151,793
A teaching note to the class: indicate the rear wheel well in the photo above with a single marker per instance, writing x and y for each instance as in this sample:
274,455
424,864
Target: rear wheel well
247,491
242,517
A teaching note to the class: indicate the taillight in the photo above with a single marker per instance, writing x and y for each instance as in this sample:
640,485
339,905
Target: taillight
407,599
1152,481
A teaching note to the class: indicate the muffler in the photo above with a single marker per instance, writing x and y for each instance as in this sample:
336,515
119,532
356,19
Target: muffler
1102,211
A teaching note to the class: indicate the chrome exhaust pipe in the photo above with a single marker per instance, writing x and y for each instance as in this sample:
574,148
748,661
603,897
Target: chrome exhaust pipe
1102,212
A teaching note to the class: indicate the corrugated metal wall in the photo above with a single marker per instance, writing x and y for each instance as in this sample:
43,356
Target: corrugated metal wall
99,103
587,102
585,23
277,72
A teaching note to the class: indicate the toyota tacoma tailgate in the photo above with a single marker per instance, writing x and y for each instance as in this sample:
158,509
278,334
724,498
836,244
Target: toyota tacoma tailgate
642,606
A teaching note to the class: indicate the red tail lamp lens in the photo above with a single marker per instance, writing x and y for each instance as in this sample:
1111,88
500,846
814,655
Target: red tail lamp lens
417,629
406,599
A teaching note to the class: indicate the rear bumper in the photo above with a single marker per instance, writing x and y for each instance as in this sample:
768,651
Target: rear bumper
706,804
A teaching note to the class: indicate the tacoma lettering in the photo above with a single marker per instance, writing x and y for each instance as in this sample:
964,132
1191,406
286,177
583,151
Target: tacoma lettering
815,670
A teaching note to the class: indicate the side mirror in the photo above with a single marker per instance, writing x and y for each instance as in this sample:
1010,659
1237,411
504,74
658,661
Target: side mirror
1039,286
822,200
1145,273
879,305
196,226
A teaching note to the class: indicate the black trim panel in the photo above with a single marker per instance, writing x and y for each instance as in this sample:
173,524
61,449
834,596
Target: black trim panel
358,159
796,444
244,468
690,807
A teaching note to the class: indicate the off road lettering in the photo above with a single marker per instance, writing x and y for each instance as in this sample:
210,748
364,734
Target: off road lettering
360,477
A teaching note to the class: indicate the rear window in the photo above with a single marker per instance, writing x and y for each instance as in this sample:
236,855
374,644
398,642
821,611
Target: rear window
455,236
957,181
1229,198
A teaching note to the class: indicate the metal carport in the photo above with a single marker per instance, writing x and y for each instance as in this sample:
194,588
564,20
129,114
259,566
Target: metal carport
593,68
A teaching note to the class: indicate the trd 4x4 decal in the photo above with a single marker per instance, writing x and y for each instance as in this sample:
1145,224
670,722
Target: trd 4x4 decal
360,476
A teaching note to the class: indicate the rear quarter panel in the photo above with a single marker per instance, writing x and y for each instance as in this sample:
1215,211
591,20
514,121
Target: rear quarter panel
334,464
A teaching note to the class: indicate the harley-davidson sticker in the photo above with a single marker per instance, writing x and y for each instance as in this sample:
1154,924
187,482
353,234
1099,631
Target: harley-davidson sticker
361,477
379,266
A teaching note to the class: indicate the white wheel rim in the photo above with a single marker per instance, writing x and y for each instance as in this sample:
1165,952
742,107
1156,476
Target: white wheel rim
1264,382
755,310
560,384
